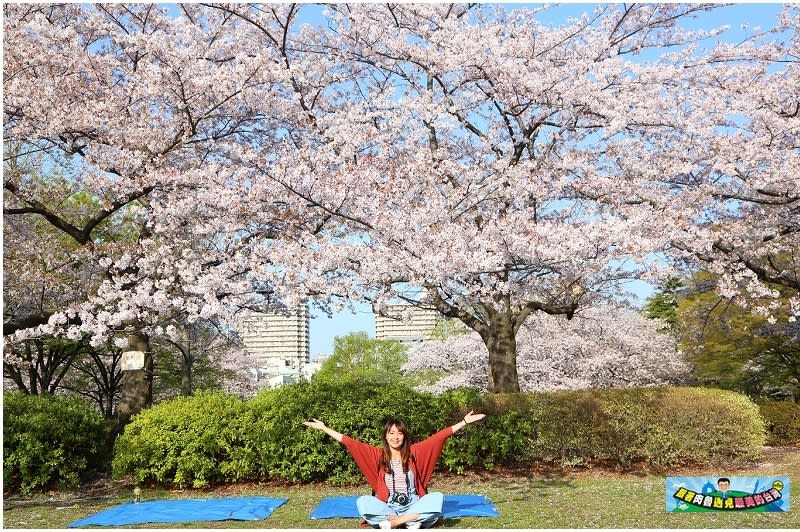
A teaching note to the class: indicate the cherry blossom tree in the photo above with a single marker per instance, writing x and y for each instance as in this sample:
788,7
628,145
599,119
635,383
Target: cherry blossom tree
743,167
470,159
135,101
602,347
508,169
465,159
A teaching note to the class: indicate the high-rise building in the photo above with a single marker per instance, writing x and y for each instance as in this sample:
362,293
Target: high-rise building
279,341
417,328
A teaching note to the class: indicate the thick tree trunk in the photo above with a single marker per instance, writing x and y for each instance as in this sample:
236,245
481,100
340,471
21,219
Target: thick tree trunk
501,341
499,333
137,385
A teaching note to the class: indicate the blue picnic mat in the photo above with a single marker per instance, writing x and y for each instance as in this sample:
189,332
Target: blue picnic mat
184,510
454,506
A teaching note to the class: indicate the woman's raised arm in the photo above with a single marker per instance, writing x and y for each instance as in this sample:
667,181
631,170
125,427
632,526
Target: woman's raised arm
469,418
319,425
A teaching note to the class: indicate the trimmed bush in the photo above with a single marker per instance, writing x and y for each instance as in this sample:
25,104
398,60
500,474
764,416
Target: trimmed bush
51,440
289,450
782,419
196,441
503,437
706,426
618,427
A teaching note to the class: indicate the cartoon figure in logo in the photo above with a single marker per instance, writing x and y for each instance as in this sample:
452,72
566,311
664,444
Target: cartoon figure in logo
724,489
723,485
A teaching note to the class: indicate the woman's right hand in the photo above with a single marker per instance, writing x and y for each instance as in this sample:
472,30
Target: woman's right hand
315,424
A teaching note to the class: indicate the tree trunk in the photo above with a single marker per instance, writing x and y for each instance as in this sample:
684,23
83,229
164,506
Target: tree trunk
187,359
137,385
501,341
499,333
187,386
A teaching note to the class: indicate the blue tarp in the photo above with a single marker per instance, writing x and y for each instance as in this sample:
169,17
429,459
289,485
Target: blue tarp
454,506
184,510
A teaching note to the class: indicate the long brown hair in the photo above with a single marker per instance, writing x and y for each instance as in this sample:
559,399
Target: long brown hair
405,449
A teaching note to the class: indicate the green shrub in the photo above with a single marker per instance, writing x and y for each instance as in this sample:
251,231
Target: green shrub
289,450
502,438
197,441
51,440
213,437
704,425
627,429
618,427
782,420
566,426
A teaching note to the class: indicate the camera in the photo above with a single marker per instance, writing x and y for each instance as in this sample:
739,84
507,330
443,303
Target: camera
400,498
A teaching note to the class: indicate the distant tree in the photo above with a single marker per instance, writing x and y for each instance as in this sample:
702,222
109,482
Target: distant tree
599,348
663,305
447,328
358,354
203,355
62,366
38,366
97,375
732,346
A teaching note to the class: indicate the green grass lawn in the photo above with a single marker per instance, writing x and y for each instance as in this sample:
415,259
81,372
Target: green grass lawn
534,499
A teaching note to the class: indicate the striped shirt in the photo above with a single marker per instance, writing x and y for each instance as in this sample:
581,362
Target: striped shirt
398,482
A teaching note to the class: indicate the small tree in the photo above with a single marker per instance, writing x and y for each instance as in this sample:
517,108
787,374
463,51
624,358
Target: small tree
358,354
203,355
38,366
663,305
97,375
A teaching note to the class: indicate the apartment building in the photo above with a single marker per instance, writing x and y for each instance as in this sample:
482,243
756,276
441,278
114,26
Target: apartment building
417,327
279,341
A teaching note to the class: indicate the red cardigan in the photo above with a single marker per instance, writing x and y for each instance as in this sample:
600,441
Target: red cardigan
425,453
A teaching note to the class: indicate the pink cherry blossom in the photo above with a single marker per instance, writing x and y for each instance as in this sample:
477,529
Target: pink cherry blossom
469,160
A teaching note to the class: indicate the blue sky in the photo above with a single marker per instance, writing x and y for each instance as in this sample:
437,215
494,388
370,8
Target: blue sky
323,330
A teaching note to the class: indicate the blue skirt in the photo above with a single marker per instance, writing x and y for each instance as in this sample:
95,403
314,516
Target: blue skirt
429,508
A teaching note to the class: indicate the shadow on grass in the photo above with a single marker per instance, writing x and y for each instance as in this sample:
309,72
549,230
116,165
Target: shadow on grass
516,490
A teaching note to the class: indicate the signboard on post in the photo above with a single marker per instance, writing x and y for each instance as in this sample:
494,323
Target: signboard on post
132,360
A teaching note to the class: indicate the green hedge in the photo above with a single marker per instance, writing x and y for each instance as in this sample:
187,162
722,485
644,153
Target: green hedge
783,422
213,437
196,441
503,437
619,427
51,440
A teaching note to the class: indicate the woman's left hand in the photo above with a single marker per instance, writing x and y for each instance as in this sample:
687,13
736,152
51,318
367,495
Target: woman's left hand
471,418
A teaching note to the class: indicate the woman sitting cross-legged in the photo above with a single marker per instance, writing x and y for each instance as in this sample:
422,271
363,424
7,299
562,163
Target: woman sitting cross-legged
398,474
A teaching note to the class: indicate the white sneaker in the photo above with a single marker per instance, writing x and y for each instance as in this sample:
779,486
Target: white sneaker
414,526
385,525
